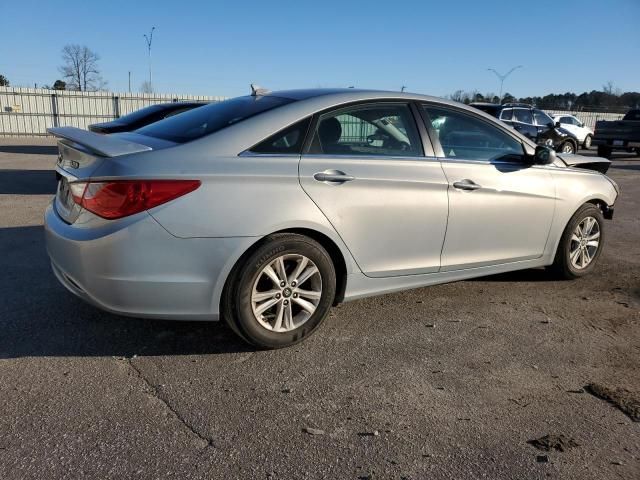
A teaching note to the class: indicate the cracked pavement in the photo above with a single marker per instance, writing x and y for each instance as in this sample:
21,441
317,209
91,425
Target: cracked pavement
455,379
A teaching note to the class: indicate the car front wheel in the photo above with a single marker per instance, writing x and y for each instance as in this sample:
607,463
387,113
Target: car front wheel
567,147
581,243
281,293
587,142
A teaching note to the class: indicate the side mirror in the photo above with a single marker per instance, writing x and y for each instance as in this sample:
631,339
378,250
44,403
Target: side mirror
558,124
544,155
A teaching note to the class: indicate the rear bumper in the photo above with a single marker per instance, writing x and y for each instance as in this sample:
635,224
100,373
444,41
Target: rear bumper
136,268
605,142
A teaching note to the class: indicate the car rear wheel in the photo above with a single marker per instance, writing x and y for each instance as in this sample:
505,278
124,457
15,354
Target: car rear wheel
604,152
581,243
568,147
587,142
281,293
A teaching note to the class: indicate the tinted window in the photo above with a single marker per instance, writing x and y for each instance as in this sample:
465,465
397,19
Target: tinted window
142,113
542,118
632,115
205,120
289,140
506,114
469,138
522,115
382,129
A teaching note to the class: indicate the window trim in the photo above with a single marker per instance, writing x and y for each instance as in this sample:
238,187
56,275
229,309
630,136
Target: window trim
427,149
498,124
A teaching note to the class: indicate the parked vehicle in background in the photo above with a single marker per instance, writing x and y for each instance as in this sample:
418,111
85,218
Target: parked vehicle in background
144,116
533,123
583,133
268,209
618,134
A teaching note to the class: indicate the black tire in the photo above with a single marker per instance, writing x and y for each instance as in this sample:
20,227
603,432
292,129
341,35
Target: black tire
565,145
237,308
604,152
562,265
586,144
638,152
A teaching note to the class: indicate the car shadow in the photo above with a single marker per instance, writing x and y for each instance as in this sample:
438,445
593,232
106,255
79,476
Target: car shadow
28,182
530,275
40,318
30,149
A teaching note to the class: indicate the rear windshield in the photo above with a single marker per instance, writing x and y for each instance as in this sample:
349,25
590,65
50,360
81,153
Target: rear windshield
140,114
202,121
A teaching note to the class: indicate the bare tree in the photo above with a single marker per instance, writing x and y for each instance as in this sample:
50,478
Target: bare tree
81,68
146,87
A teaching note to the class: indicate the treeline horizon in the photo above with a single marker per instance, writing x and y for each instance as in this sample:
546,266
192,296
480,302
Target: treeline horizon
607,99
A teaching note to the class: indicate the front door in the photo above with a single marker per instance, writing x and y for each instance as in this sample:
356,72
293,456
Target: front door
500,208
367,172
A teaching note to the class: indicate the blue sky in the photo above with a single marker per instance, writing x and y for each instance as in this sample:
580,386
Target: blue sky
434,47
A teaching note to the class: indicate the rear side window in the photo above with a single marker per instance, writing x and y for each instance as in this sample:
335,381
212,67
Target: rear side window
289,140
384,129
632,115
506,114
211,118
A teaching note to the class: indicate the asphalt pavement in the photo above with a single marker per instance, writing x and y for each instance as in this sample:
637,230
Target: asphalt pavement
448,382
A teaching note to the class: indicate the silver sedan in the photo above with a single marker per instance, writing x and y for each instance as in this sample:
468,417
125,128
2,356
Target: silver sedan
267,209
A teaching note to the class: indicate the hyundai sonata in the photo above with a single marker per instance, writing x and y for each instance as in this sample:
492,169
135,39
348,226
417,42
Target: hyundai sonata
267,209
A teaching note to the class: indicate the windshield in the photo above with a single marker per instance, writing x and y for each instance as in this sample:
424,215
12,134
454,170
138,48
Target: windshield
211,118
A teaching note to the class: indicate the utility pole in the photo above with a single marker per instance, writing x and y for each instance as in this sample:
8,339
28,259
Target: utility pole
402,88
149,40
503,77
129,82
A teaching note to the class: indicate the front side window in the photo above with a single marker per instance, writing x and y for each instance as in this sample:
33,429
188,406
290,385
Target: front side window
211,118
378,129
466,137
542,118
287,141
522,115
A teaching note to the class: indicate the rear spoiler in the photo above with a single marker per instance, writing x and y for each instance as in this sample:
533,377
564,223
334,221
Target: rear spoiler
103,145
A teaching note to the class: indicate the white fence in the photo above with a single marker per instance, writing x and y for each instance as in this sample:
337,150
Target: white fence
588,118
30,111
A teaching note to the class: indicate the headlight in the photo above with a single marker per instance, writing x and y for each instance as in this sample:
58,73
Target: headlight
548,142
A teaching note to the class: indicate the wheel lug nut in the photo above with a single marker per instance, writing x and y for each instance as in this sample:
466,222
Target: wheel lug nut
286,302
282,284
293,284
277,295
295,295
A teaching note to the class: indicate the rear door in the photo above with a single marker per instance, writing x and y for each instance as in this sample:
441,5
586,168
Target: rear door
523,123
500,208
366,170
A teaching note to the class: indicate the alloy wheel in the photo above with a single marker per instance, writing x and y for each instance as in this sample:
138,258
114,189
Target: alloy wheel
585,242
286,293
567,147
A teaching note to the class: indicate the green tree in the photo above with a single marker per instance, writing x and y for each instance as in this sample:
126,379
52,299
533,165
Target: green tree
4,82
59,85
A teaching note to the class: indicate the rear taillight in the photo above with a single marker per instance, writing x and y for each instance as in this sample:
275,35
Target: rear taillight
121,198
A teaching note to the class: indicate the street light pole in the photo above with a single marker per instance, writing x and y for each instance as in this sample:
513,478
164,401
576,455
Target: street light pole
149,40
503,77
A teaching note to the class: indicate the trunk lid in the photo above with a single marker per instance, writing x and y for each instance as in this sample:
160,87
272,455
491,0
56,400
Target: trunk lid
80,154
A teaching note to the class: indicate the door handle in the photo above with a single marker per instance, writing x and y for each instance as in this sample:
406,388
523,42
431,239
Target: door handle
466,184
333,176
